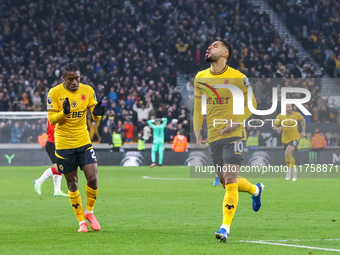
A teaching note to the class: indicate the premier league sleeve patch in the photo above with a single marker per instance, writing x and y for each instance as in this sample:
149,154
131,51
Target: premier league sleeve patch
246,82
49,100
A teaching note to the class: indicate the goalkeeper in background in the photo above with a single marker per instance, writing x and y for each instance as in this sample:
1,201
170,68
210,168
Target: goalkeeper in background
158,140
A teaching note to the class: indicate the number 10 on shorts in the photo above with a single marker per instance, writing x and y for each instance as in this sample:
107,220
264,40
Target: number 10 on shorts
238,146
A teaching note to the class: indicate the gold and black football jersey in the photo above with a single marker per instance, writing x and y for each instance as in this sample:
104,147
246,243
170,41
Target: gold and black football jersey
290,129
221,107
71,130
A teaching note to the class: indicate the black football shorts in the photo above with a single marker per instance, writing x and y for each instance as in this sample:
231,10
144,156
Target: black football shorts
68,160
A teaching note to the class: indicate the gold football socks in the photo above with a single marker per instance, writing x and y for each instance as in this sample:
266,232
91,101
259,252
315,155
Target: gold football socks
245,186
91,196
230,202
77,206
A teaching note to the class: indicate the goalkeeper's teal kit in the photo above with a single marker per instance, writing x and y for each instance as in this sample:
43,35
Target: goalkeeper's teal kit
158,140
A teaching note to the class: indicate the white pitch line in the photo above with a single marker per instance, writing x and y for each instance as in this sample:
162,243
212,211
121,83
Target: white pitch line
295,240
293,245
175,179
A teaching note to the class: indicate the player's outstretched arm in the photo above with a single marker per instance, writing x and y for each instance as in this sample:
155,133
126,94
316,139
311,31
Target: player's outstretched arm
247,112
199,140
198,116
303,126
277,128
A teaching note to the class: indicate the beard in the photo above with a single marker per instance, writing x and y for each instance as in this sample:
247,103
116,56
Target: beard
210,59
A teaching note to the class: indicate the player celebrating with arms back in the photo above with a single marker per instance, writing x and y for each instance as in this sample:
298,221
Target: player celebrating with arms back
158,140
226,143
290,136
67,105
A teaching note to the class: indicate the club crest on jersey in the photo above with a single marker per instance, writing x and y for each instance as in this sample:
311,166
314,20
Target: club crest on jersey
74,104
49,100
61,167
83,97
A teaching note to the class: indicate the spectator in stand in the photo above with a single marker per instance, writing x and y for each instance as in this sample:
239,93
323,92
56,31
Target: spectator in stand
16,133
141,142
117,141
120,129
106,136
304,144
4,102
180,143
324,113
147,135
183,116
129,102
331,141
113,95
142,113
170,132
334,112
252,141
129,129
319,142
141,125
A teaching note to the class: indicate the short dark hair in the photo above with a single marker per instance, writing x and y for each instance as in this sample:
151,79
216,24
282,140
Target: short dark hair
69,67
228,45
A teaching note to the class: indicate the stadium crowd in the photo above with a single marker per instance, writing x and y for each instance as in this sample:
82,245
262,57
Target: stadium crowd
131,53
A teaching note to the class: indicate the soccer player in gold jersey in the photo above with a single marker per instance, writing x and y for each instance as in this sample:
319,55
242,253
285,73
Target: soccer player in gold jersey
290,136
67,105
225,140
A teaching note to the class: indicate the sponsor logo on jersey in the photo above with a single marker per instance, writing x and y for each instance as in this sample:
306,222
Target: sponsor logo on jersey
74,115
239,96
246,82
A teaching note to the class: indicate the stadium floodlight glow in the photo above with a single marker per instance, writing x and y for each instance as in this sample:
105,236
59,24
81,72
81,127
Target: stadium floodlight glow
238,100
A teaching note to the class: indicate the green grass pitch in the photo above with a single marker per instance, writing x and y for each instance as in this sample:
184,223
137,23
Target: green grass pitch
169,215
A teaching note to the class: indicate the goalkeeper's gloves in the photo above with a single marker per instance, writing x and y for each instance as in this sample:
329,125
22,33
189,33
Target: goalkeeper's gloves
66,106
99,109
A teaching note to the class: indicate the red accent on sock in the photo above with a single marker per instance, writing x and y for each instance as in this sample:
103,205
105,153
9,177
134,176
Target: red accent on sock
54,171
